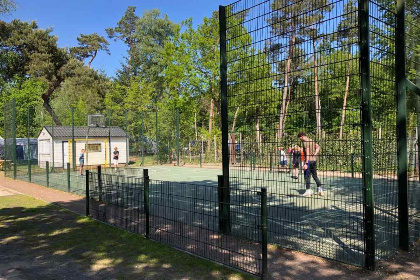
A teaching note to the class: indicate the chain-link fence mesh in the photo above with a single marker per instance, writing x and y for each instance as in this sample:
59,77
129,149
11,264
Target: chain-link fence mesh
413,129
327,69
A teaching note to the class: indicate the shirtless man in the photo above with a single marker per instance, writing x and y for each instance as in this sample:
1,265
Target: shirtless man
311,151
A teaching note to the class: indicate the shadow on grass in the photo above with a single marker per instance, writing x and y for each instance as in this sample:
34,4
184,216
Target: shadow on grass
39,240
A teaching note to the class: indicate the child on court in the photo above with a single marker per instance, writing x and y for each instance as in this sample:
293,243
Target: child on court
296,157
82,161
283,159
116,157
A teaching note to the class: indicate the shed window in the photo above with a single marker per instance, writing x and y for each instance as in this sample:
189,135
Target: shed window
44,147
94,148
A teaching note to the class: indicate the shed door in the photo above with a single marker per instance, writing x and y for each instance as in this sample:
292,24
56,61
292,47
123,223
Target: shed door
65,154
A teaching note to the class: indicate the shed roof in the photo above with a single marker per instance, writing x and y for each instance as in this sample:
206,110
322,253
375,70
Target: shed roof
82,131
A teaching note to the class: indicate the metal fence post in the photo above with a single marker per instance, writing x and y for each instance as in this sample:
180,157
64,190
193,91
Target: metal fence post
400,79
127,140
109,138
47,167
264,239
352,165
100,182
271,161
201,159
367,161
87,194
29,146
224,205
224,114
73,144
142,139
68,176
52,142
146,200
157,138
14,140
177,137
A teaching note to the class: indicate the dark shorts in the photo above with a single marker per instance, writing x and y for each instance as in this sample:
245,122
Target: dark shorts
283,162
296,165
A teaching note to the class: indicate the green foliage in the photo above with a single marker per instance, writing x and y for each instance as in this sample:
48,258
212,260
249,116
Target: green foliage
7,6
27,95
89,45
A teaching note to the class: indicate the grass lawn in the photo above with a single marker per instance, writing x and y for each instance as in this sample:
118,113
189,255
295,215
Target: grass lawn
40,234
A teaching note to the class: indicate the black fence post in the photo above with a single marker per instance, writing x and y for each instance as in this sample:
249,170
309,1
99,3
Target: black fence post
146,200
100,183
400,77
224,209
367,161
47,167
87,194
352,165
68,176
264,239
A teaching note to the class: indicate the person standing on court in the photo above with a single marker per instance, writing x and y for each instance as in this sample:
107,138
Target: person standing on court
295,161
283,158
116,157
311,151
82,161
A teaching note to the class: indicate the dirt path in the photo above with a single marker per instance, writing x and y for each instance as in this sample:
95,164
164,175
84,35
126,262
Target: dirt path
283,264
74,203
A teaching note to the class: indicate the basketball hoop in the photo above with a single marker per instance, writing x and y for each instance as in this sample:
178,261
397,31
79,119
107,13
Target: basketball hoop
96,120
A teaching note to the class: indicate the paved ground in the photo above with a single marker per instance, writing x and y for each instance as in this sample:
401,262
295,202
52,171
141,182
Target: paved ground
283,264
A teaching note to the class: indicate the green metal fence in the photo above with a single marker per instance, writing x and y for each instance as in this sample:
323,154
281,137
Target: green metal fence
413,117
184,216
332,70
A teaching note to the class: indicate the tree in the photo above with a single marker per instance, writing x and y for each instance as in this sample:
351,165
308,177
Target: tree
7,6
290,27
314,20
348,36
125,31
153,32
89,45
31,52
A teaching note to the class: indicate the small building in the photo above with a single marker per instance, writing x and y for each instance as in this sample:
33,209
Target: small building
98,142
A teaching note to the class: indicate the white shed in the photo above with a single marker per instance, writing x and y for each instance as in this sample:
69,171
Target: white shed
97,142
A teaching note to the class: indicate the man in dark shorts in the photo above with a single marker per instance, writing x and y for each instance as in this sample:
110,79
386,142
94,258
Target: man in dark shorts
311,151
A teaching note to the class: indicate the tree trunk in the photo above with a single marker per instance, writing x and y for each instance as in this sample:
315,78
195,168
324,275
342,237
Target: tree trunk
258,130
46,98
287,103
317,99
93,57
211,114
285,89
234,119
346,92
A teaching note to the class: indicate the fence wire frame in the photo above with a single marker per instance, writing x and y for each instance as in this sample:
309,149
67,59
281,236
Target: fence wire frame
184,216
289,65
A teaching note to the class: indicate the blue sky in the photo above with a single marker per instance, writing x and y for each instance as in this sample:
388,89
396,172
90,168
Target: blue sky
70,18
